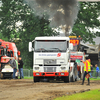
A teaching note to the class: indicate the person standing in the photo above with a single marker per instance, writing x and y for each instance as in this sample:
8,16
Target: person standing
0,70
87,69
14,64
97,70
20,66
91,73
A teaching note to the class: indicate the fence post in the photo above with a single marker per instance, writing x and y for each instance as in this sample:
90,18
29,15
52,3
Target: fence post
28,73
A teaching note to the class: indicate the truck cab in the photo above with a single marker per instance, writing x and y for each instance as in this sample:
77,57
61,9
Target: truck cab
51,58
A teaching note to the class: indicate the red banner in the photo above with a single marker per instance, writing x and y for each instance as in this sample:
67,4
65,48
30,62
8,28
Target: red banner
73,57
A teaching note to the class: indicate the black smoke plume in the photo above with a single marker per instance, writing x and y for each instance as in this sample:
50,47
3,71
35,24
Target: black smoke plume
61,12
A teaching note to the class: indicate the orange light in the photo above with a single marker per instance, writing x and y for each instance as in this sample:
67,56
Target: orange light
79,36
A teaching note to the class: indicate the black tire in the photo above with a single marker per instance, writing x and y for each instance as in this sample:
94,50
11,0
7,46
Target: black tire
36,79
12,76
66,79
2,76
72,79
81,76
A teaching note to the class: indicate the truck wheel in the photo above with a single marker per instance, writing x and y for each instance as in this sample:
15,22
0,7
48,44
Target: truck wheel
11,76
2,76
72,79
76,74
66,79
81,76
36,79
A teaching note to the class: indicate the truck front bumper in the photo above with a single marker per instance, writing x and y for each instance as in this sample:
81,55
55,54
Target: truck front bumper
7,74
49,74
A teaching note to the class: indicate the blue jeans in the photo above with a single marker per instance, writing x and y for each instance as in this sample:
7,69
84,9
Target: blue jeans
91,73
21,72
14,72
85,73
97,74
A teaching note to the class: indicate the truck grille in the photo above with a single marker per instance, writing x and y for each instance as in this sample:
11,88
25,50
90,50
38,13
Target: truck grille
49,61
49,69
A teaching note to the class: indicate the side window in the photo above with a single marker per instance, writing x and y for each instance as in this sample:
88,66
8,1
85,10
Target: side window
67,44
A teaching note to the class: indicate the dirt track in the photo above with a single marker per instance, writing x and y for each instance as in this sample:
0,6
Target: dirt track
25,89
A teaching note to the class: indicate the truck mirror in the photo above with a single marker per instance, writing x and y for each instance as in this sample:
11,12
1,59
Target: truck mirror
30,47
70,46
18,53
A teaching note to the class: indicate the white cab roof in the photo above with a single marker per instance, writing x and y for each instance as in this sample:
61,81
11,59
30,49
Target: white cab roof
52,38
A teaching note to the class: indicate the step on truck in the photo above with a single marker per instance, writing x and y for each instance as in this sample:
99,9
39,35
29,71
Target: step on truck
51,58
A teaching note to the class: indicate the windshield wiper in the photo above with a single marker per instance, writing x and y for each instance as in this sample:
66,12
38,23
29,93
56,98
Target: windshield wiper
56,49
40,49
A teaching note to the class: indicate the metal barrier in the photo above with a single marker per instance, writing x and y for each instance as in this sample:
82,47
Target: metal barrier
29,73
94,74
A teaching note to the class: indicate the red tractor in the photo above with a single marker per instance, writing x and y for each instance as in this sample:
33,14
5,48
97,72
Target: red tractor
7,52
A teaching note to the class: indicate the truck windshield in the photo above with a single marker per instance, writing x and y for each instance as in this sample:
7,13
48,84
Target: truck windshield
50,46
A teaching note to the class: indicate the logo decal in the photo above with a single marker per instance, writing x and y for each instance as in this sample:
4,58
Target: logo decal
59,54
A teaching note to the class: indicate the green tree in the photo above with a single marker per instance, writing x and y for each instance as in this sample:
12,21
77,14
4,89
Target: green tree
87,19
13,13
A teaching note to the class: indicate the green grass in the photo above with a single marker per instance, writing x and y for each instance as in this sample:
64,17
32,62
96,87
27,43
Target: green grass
90,95
95,78
27,77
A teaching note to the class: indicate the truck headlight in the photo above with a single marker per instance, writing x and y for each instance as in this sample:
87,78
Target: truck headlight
37,73
62,73
63,68
36,68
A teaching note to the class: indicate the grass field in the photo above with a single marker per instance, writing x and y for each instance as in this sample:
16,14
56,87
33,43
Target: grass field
90,95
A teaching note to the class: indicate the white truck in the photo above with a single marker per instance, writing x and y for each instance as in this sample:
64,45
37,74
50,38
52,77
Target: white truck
52,59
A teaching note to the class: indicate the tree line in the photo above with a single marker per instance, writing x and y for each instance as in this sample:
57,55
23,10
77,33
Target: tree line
18,20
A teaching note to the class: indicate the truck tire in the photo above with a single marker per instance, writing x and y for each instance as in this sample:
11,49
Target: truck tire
81,76
66,79
72,79
36,79
2,76
76,74
12,76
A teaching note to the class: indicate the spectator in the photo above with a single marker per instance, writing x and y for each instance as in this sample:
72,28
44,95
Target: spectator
97,70
87,69
91,73
14,64
20,65
0,70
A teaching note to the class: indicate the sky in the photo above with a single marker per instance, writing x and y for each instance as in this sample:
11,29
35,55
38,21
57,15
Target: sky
97,40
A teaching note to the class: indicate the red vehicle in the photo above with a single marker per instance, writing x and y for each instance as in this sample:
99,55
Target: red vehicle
76,53
7,52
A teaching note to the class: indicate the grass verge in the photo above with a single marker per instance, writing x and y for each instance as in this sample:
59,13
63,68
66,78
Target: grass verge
90,95
25,77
